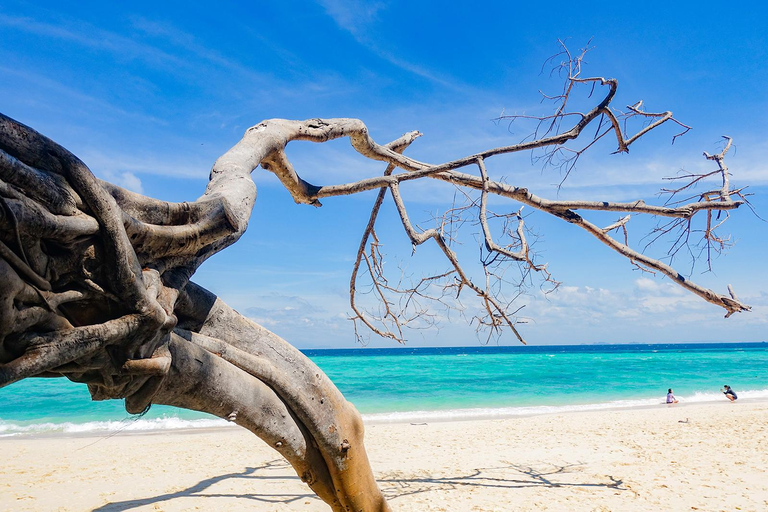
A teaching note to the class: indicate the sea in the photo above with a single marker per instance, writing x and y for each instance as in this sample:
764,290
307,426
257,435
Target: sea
442,384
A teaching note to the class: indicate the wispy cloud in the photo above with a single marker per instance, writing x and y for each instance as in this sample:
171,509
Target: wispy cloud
191,45
354,16
306,321
114,161
649,304
649,311
57,95
182,54
127,180
359,18
90,36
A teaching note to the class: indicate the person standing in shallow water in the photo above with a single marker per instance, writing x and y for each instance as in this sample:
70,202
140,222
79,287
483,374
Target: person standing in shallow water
731,394
671,399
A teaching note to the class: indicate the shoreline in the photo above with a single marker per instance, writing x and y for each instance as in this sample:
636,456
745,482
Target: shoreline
401,418
696,457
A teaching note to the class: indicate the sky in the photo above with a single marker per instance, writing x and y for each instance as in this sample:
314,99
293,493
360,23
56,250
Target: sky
148,95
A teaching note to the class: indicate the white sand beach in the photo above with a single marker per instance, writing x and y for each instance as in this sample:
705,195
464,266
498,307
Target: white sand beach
707,457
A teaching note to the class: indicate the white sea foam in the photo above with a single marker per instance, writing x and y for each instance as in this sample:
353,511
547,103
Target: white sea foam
129,425
8,429
509,412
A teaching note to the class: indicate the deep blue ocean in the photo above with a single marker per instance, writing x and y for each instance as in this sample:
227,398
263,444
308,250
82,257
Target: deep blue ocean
433,384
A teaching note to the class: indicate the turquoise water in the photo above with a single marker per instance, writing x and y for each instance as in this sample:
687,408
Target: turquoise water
445,383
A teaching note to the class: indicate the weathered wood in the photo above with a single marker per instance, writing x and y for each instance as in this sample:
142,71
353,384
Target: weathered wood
95,280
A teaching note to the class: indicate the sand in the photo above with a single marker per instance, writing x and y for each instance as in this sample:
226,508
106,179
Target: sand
707,457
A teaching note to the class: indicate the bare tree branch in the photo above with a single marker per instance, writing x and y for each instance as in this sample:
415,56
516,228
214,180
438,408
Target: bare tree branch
96,287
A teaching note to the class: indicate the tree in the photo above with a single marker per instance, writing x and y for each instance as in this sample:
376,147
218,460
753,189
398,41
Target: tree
96,279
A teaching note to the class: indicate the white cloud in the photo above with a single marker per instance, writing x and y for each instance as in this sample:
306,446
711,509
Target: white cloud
91,36
353,16
189,43
105,163
359,17
130,181
645,285
307,321
648,303
58,95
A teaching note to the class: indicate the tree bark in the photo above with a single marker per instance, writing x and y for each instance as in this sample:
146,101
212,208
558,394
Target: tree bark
95,280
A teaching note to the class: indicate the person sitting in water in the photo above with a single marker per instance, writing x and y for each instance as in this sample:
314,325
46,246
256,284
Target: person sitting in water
671,399
731,394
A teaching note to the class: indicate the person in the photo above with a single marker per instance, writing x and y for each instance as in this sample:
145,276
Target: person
671,399
731,394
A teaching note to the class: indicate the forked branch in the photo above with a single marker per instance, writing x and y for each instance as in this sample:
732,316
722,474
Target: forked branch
401,169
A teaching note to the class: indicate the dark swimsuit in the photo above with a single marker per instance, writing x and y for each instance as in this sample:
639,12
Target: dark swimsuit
731,392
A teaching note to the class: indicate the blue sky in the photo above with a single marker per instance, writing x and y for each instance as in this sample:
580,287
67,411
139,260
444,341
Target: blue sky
149,95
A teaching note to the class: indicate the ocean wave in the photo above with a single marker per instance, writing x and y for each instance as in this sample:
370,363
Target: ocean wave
711,397
510,412
9,428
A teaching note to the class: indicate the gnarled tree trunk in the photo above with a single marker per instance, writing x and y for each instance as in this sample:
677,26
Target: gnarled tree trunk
95,287
95,280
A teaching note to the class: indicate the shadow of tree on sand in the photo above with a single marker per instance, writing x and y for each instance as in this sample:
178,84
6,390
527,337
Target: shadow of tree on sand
394,484
199,490
511,476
